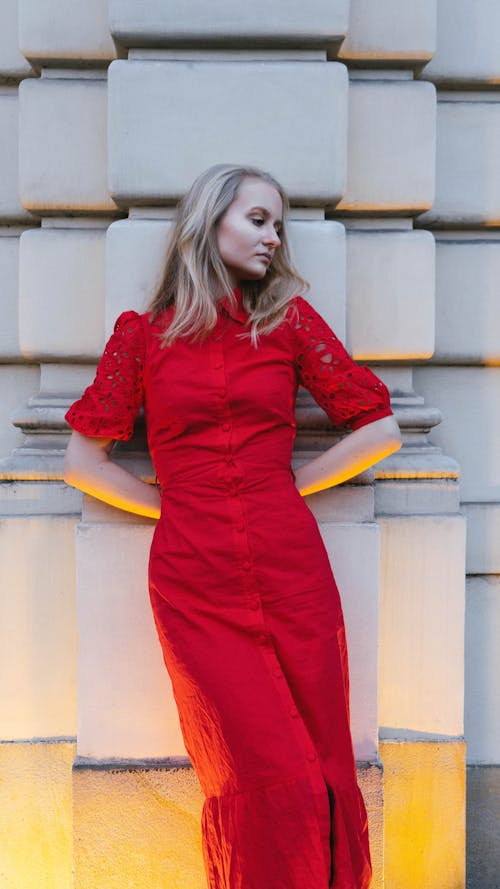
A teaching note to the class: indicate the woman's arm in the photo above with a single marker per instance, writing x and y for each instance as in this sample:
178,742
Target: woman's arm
350,456
87,466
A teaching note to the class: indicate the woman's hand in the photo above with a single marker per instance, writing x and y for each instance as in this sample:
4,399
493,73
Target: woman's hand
87,466
351,455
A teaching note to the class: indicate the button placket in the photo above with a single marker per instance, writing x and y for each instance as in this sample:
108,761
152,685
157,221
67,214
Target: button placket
303,738
232,479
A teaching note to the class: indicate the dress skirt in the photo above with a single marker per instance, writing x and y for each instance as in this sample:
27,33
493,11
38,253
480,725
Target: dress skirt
259,670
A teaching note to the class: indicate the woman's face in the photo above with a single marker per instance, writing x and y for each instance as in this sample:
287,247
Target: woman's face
248,232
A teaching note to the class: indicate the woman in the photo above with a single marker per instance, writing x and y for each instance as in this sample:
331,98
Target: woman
243,596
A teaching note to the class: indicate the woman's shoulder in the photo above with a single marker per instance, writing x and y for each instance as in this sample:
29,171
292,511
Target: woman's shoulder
298,308
133,322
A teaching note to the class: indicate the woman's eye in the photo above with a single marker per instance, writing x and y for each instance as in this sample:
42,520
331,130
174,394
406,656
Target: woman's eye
258,220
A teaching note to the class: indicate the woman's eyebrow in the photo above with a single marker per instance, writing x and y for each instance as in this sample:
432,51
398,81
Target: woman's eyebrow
265,213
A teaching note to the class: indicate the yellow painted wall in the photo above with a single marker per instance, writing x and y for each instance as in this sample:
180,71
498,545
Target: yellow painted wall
35,815
138,829
424,814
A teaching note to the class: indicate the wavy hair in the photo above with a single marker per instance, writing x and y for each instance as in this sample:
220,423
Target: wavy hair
194,276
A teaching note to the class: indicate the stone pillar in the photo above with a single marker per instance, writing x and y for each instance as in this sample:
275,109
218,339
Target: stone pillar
54,209
464,374
121,106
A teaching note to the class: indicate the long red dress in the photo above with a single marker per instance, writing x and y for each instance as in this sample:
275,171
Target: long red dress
245,603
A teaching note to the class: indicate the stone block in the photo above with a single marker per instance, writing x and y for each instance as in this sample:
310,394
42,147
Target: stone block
38,629
136,248
358,582
36,497
319,253
63,145
419,494
137,827
12,62
169,121
467,43
132,713
50,32
390,31
467,306
36,815
17,385
11,208
483,537
470,428
371,784
61,293
422,595
391,147
467,171
9,276
482,669
343,503
117,639
157,23
483,815
424,814
390,294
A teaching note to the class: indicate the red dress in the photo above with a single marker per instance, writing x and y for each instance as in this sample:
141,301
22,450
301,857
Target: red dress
245,603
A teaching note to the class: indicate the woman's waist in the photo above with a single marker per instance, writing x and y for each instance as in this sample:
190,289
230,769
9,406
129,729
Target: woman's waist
218,470
224,478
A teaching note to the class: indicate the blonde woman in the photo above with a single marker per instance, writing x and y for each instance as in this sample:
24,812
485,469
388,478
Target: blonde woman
243,596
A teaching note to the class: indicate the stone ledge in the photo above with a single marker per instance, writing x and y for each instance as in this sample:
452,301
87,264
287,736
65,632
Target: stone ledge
74,33
390,31
156,23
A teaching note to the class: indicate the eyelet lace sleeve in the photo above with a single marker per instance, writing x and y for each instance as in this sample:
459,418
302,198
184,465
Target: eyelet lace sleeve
350,394
109,406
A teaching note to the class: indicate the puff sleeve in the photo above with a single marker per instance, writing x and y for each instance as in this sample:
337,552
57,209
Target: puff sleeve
350,394
109,406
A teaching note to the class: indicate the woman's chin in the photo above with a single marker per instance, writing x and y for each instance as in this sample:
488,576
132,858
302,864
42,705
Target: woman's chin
254,275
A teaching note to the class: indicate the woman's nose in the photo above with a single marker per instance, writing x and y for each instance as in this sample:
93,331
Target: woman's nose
272,237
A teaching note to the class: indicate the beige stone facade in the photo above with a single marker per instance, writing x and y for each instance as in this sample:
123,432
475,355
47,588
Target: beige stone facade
382,120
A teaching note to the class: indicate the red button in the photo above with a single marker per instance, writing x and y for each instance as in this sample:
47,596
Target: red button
312,757
254,605
222,393
226,427
246,566
263,638
228,458
218,365
240,529
294,712
277,672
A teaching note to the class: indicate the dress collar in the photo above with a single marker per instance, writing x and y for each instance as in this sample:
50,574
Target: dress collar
237,313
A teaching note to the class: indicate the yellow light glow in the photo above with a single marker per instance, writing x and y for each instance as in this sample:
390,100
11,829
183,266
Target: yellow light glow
424,814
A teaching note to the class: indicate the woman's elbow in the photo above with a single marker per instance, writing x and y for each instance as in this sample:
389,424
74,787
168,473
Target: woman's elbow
392,434
383,436
394,443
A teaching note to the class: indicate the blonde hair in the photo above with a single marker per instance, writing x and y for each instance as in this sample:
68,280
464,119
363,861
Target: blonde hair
194,275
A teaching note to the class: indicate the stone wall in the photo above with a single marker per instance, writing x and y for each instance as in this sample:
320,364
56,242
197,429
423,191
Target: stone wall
382,120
